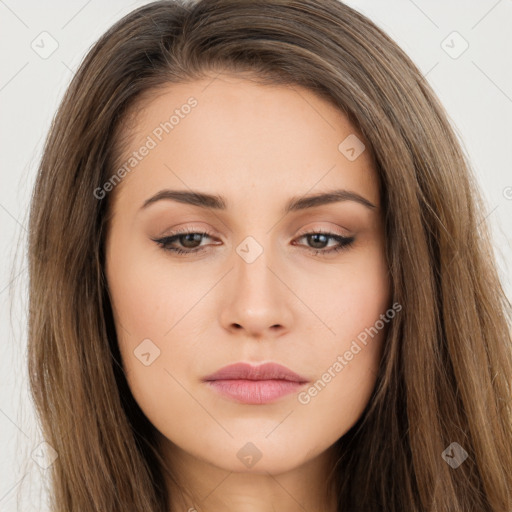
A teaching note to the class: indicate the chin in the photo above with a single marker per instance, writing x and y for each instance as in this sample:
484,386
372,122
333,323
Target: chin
259,457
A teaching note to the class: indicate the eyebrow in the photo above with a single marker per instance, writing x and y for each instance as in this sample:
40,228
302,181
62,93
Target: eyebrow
216,202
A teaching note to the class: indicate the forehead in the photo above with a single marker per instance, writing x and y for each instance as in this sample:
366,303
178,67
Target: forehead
232,136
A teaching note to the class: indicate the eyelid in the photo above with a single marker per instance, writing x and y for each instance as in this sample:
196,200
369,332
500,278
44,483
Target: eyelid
187,229
329,230
304,231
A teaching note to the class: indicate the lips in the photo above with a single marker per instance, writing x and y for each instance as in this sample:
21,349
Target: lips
255,385
267,371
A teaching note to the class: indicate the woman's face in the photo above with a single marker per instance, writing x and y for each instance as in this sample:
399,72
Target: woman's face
260,287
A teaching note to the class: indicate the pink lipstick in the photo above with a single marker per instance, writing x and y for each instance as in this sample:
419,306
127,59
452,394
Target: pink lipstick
255,385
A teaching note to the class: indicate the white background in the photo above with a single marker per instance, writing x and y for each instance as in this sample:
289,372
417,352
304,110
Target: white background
475,88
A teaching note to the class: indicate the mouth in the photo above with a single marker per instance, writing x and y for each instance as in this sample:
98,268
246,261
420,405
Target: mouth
255,385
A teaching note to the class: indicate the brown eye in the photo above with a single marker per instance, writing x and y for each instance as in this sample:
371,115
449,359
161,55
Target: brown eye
318,240
188,240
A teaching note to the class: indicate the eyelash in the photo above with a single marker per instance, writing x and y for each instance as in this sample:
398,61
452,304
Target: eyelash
165,243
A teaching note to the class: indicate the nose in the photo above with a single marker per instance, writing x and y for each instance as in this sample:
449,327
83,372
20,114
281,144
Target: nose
259,299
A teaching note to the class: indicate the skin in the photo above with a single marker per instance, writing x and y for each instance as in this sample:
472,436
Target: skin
257,146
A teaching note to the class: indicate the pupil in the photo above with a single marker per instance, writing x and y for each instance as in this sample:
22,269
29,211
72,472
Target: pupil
189,237
315,237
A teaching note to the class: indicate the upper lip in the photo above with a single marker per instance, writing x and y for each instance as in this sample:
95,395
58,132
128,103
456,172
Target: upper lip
245,371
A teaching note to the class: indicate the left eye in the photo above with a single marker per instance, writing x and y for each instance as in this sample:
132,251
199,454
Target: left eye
322,238
190,239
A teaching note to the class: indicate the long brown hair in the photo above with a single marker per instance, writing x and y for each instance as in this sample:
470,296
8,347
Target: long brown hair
446,368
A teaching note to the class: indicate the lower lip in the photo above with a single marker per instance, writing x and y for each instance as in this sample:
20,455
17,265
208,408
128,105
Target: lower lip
255,392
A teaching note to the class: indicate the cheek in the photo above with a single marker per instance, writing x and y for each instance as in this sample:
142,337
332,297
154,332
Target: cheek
342,390
357,309
149,296
347,298
147,303
146,310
